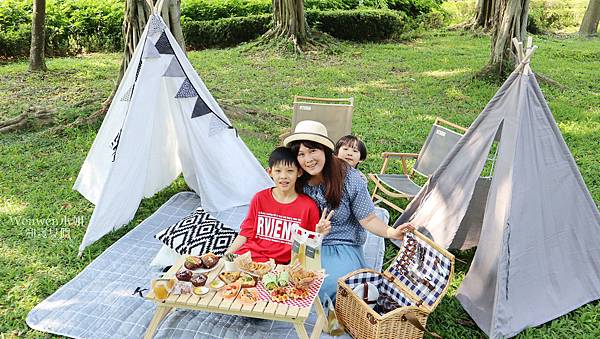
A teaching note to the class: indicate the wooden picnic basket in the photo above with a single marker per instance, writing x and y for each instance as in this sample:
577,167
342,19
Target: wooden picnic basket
409,289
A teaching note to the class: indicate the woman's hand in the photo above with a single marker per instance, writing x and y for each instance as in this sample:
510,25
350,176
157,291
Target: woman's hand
324,224
376,226
398,232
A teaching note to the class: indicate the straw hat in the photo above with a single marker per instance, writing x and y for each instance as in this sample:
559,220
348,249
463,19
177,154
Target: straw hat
312,131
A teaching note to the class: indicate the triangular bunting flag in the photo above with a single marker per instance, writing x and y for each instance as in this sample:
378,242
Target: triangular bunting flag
163,45
137,72
216,125
174,69
186,90
155,25
150,51
200,108
127,95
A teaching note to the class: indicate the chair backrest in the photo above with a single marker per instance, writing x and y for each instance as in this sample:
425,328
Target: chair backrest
335,114
438,144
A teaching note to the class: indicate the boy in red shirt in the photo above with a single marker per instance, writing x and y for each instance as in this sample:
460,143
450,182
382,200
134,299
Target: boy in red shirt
267,230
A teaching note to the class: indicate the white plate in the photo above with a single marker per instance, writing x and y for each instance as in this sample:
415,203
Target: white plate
373,294
219,283
202,290
204,270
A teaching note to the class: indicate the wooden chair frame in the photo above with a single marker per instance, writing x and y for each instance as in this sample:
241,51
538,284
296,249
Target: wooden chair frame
387,156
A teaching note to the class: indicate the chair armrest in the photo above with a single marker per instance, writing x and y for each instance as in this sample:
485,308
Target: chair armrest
402,156
440,121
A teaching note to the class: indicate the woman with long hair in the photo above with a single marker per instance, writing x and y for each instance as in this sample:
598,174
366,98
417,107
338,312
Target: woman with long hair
336,186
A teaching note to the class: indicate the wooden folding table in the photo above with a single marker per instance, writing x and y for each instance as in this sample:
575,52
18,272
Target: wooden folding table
212,302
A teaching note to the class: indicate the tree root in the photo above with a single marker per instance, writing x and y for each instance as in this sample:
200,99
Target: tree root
543,79
26,119
18,123
94,117
495,73
279,42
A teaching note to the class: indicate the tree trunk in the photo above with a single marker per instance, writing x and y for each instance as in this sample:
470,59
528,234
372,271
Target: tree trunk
38,38
137,13
510,21
484,14
289,23
589,24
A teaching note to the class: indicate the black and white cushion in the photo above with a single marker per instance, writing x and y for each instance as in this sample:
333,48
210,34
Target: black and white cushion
198,234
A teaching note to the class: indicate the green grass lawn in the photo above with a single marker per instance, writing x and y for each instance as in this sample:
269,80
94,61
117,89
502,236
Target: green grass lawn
399,89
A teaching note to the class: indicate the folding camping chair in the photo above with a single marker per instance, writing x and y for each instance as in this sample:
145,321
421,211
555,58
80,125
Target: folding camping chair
335,114
438,144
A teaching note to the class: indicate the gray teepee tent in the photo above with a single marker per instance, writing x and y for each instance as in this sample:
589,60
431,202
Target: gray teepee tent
539,250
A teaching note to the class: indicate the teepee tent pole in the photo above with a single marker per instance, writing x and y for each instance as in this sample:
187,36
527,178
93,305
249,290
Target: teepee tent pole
516,44
159,6
529,54
149,2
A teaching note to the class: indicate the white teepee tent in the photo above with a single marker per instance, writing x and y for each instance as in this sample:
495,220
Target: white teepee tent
163,121
538,255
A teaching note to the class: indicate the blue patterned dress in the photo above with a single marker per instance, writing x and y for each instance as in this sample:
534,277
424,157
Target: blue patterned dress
342,251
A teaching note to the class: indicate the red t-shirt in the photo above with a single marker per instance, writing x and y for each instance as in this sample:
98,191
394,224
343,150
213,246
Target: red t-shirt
268,226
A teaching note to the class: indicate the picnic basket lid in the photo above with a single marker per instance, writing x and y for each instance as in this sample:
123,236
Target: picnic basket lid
422,269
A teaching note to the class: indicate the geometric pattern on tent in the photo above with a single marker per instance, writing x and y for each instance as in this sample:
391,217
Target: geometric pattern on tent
186,90
127,95
115,144
216,125
137,71
163,45
155,25
150,51
174,70
200,108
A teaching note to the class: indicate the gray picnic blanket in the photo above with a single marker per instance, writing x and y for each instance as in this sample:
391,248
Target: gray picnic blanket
105,299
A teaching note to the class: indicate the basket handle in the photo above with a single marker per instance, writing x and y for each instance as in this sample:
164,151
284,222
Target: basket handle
412,319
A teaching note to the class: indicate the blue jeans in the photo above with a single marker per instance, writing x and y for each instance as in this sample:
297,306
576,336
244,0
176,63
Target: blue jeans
339,260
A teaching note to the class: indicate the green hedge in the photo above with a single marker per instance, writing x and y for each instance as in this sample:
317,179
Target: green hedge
201,10
74,26
71,26
355,25
16,42
224,32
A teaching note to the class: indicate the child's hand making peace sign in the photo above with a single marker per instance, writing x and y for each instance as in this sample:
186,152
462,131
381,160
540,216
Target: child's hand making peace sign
324,225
